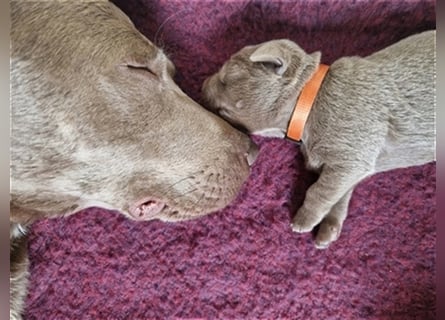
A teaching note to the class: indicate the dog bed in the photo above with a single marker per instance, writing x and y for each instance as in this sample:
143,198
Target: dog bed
244,262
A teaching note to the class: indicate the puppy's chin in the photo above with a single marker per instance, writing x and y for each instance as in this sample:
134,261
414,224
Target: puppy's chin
270,132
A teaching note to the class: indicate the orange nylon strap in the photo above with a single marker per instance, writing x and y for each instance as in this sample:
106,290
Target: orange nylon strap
304,104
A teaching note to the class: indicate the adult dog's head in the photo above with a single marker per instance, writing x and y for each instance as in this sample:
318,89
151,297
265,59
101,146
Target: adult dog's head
98,120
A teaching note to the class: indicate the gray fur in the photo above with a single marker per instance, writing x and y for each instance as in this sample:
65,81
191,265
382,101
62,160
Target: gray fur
19,272
96,119
371,114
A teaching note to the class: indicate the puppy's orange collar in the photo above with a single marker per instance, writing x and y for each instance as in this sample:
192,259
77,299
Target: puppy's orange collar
304,104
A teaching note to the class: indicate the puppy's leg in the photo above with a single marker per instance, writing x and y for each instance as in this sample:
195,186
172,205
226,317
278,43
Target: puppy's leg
332,185
18,277
330,226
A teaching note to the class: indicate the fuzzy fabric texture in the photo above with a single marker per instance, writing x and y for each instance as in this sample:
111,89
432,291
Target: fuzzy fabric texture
244,262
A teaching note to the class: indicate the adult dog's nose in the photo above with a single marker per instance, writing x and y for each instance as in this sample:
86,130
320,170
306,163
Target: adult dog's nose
252,153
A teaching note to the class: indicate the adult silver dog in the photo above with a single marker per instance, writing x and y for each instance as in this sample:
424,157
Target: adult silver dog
98,120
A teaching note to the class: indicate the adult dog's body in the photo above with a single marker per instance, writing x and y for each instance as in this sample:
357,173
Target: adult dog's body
98,120
371,114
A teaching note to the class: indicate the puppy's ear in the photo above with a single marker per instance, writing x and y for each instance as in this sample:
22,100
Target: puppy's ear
271,53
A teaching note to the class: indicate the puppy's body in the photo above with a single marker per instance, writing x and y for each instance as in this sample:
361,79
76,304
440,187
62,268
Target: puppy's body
371,114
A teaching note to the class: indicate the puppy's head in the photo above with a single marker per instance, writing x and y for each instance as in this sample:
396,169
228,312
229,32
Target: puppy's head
252,90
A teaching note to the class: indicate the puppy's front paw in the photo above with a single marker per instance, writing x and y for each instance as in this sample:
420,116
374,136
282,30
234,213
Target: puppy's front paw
328,232
303,221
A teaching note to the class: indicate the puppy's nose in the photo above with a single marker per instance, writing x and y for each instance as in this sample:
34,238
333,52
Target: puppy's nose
252,153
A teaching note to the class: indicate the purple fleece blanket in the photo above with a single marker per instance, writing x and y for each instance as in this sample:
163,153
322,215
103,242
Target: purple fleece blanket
244,262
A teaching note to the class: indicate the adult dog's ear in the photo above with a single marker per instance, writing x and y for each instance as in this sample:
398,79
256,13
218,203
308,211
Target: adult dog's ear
271,53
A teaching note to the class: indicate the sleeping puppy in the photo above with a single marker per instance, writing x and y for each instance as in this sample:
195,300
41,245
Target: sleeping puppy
354,118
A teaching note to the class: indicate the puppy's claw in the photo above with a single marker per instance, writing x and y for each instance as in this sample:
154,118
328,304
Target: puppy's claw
322,245
299,228
301,223
328,232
